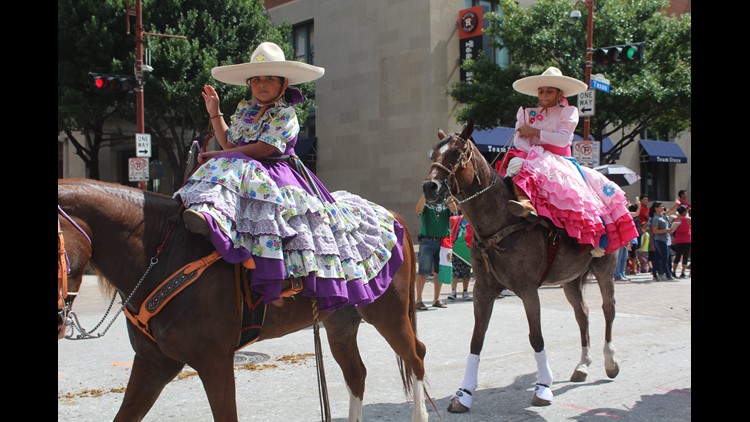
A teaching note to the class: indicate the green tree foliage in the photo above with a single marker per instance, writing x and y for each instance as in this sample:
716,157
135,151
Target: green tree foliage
90,38
653,93
194,36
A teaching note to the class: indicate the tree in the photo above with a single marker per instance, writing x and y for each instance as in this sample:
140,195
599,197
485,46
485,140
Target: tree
543,35
89,40
216,33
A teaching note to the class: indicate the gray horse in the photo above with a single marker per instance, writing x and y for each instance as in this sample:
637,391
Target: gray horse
509,252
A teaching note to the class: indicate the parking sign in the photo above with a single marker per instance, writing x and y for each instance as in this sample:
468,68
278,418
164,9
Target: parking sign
137,169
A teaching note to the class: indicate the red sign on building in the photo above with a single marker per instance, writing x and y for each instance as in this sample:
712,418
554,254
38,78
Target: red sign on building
470,22
469,37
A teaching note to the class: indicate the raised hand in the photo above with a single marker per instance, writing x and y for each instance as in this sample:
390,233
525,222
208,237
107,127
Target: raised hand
211,99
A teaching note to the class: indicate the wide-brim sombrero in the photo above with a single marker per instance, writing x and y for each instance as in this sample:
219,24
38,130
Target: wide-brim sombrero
551,77
267,60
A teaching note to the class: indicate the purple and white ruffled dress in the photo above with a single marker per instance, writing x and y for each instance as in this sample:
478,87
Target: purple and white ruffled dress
346,249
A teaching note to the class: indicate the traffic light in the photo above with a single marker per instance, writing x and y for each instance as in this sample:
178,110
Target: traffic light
624,53
112,82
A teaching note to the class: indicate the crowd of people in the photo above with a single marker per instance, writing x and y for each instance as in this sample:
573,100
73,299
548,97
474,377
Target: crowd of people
664,241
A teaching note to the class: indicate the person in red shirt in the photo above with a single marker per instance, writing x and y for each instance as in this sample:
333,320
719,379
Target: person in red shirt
682,239
682,199
643,214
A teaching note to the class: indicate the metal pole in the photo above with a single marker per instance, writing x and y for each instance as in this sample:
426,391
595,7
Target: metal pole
141,126
589,59
139,119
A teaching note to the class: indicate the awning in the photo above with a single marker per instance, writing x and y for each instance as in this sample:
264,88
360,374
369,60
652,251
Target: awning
608,145
302,147
494,140
662,152
499,139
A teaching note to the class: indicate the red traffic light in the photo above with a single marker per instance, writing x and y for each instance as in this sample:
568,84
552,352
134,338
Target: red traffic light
112,82
99,82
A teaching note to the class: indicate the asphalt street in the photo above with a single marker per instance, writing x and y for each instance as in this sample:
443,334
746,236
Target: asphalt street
652,335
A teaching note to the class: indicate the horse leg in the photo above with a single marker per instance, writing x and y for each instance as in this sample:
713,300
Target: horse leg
147,379
543,392
574,295
484,302
217,375
607,289
341,329
398,330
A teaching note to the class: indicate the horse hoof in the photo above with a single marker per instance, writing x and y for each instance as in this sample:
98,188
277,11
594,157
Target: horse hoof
536,401
579,376
456,407
613,372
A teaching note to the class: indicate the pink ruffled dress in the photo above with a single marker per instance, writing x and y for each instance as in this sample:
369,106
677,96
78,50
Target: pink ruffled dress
578,199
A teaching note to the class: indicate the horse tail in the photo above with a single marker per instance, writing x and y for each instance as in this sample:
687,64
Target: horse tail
410,259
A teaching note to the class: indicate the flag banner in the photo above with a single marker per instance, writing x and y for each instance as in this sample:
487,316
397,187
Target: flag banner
460,248
445,273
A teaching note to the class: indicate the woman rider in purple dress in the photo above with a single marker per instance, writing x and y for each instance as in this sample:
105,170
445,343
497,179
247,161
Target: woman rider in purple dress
256,201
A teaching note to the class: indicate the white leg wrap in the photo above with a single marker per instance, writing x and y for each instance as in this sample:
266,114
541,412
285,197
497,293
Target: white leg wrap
355,407
420,409
609,356
543,376
583,364
470,382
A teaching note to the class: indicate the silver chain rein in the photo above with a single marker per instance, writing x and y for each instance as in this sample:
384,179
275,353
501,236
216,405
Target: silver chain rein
86,335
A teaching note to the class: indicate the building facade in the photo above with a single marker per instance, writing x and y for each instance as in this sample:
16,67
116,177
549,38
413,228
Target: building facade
379,106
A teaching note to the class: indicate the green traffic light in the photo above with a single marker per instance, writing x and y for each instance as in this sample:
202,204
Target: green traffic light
631,52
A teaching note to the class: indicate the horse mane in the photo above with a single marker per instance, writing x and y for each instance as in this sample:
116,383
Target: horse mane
97,202
158,210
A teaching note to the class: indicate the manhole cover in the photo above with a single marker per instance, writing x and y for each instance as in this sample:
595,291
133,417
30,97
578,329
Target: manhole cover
241,358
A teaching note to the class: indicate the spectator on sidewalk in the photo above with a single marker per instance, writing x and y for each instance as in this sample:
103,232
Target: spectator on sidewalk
643,251
624,251
643,216
661,230
682,196
682,239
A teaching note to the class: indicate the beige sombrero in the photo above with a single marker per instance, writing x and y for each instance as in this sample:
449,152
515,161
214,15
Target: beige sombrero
551,77
267,60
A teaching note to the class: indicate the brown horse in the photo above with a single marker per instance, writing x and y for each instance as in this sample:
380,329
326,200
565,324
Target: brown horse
119,230
508,252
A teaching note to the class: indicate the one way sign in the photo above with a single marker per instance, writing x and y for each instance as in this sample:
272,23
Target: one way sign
143,145
586,103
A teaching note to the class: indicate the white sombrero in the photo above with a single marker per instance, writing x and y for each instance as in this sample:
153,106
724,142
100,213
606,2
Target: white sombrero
267,60
551,77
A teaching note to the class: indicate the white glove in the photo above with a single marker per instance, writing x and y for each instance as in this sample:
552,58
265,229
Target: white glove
514,166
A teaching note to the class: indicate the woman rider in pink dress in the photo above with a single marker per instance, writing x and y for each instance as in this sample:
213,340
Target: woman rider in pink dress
548,181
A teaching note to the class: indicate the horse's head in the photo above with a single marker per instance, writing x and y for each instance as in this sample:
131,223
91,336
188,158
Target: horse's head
73,255
454,167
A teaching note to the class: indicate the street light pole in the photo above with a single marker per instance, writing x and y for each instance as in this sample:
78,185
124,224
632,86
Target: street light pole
139,114
589,59
589,53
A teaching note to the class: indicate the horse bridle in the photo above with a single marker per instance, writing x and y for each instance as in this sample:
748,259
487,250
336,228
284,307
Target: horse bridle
467,156
64,297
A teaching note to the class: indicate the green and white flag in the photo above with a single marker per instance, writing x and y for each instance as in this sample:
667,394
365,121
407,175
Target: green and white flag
460,248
